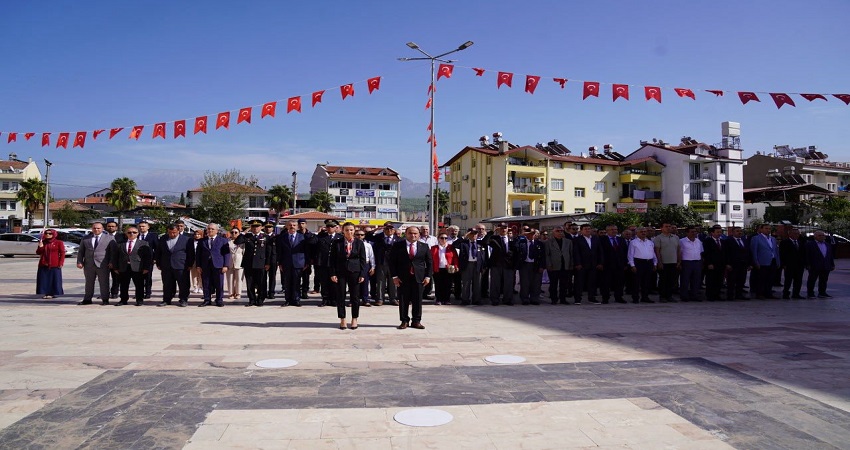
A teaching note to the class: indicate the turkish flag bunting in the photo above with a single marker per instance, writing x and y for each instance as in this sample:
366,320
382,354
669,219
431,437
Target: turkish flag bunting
223,120
96,133
652,93
201,125
561,81
813,97
27,136
591,88
317,97
13,137
63,140
137,132
478,72
445,70
374,84
436,167
715,92
747,96
504,78
683,92
346,90
244,116
293,104
431,137
179,128
431,89
80,139
782,99
159,130
430,126
620,90
45,139
531,83
428,105
114,131
268,109
843,97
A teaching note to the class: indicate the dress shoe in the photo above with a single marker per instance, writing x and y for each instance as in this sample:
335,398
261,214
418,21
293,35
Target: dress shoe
797,297
810,295
379,303
250,304
89,302
147,296
394,302
824,296
744,297
366,304
113,296
417,325
786,296
120,303
204,304
220,304
621,301
139,303
164,304
402,326
271,296
183,304
106,302
647,301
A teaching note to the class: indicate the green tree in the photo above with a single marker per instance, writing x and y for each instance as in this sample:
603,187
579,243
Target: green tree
280,198
122,196
678,215
182,200
622,220
160,218
442,197
31,193
321,200
66,215
223,196
832,208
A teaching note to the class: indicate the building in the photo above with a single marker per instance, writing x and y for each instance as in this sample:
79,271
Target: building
12,172
255,199
97,200
364,193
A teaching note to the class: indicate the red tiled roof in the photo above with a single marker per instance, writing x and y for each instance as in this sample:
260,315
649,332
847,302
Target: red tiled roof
573,159
60,204
372,173
19,165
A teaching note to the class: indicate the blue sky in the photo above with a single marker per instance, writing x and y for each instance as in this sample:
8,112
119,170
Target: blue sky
85,65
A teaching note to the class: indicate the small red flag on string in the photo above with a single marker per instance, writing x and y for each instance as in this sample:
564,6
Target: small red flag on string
137,132
652,93
159,130
531,82
715,92
445,70
561,81
201,125
374,84
45,139
114,131
478,72
317,97
27,136
430,126
80,139
782,99
429,103
591,88
63,140
244,115
179,128
813,97
431,89
504,78
223,120
13,137
268,109
293,104
96,133
346,90
843,97
748,96
684,92
620,90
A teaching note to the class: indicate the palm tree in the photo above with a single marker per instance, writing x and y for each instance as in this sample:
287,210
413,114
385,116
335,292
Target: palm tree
280,197
322,201
31,193
122,197
442,197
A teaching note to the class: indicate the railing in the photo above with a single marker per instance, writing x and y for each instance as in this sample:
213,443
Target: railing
634,171
529,190
522,162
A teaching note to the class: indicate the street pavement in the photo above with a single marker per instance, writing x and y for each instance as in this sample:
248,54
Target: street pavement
759,374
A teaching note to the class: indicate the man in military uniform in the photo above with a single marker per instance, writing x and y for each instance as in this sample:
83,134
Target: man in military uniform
258,258
324,241
271,284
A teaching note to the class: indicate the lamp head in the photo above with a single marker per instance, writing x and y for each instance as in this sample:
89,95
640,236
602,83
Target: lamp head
465,45
413,45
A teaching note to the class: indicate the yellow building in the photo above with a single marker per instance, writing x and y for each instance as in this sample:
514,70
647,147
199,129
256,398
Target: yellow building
505,180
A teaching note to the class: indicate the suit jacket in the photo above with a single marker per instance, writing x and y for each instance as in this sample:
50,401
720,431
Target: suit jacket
793,256
451,257
463,247
815,261
587,257
139,259
713,254
554,254
401,263
380,245
736,255
323,248
343,263
181,256
152,239
500,255
259,250
762,252
216,255
526,249
615,258
91,257
294,255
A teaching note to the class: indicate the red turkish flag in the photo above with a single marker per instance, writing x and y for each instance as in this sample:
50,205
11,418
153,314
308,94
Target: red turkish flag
620,90
591,88
63,140
223,120
445,70
13,137
244,116
683,92
428,105
96,133
813,97
317,97
346,90
747,96
159,130
652,93
374,84
561,81
201,124
430,126
268,109
531,82
27,136
843,97
179,128
478,72
80,139
436,167
431,89
137,132
782,99
45,139
293,104
715,92
114,131
504,78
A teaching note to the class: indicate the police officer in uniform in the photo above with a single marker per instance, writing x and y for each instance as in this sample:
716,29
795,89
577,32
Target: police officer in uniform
258,258
324,242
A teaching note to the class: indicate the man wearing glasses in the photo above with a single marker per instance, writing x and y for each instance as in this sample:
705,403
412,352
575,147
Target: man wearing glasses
95,258
132,261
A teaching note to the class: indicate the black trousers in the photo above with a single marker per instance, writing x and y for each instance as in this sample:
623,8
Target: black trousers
305,280
138,279
713,282
735,281
175,282
613,280
766,276
410,293
148,283
442,285
819,276
213,282
793,280
644,278
667,281
347,280
271,284
585,280
323,274
255,281
559,286
116,284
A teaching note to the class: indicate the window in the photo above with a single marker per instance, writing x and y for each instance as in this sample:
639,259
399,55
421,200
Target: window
599,207
456,166
831,186
579,192
695,191
365,186
723,167
339,199
557,165
488,181
599,186
579,166
807,178
473,182
557,184
751,212
599,168
557,206
2,205
10,186
724,208
385,186
474,205
489,160
340,185
694,171
723,188
473,162
579,211
256,202
489,204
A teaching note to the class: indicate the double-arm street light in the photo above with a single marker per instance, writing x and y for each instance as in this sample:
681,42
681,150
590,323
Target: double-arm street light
432,213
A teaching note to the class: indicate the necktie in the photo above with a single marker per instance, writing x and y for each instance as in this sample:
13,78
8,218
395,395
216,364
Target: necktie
348,248
129,247
718,242
410,251
473,248
795,243
740,243
143,236
96,240
291,240
210,242
614,243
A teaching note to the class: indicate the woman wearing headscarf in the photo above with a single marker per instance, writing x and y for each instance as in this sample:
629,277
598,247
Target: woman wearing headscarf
52,257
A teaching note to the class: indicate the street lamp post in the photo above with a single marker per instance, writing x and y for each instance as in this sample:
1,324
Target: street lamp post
294,191
432,209
47,195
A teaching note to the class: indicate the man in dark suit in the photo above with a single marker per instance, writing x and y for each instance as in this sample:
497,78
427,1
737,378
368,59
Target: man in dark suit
112,230
309,253
411,267
738,259
256,260
271,273
132,260
470,265
152,239
531,259
502,265
292,248
95,258
589,261
615,256
792,252
174,255
714,262
347,270
213,257
323,260
820,261
381,244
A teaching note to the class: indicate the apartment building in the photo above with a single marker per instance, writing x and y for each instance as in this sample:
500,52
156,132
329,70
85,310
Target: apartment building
364,193
12,172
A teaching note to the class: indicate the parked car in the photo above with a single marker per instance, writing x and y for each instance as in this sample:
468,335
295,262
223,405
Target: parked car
835,238
12,244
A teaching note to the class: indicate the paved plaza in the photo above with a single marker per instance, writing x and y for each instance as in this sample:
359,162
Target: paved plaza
759,374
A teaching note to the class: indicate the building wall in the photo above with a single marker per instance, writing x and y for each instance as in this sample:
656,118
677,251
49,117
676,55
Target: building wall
9,196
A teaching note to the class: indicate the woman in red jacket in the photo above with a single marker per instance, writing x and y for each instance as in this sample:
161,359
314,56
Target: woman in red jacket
52,258
445,265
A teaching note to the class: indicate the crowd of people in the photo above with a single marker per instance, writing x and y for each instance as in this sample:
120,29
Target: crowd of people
354,267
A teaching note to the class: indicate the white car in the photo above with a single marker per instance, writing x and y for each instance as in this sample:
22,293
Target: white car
12,244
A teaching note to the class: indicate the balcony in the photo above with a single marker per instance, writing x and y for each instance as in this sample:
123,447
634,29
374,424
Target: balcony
641,196
633,175
526,167
705,176
533,191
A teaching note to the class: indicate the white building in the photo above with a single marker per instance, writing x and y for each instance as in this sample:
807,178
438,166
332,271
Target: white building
255,199
12,172
365,193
